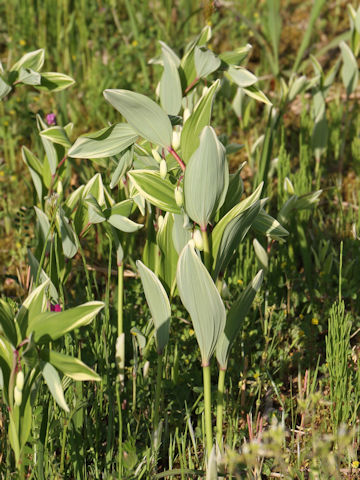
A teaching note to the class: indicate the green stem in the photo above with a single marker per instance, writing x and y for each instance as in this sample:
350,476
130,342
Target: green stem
120,452
157,392
207,401
120,313
207,255
220,406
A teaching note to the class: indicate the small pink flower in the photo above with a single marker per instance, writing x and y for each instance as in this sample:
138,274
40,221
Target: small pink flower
55,308
51,119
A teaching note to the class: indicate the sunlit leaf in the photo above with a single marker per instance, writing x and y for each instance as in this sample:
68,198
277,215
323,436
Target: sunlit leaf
143,114
159,304
201,299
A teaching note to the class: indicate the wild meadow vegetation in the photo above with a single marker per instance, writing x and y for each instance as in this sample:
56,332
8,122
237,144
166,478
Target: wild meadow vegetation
179,241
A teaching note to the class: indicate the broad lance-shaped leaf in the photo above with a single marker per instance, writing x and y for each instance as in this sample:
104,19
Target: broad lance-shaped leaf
202,300
123,166
53,382
269,226
7,324
68,239
169,257
242,77
32,306
104,143
54,82
170,85
53,325
124,224
33,60
159,305
69,366
217,233
234,233
350,69
35,167
144,115
57,135
158,191
200,117
235,319
4,88
206,62
261,254
180,234
206,179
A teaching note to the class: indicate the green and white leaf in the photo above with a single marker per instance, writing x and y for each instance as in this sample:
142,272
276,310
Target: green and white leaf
104,143
50,326
5,89
70,366
234,233
170,85
57,135
202,300
241,76
219,228
27,76
159,192
53,382
350,69
143,114
206,62
158,303
235,319
55,82
269,226
32,60
200,117
261,254
206,179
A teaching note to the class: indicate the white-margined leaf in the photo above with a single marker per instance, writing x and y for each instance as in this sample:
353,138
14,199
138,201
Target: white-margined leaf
190,134
202,300
206,61
33,60
104,143
170,85
156,190
158,303
70,366
235,319
350,69
241,76
53,382
206,179
144,115
50,326
234,233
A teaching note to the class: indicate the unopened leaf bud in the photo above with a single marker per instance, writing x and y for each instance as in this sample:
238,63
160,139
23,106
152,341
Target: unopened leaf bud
288,186
20,380
179,197
17,396
160,221
186,114
163,169
176,138
199,244
156,155
146,368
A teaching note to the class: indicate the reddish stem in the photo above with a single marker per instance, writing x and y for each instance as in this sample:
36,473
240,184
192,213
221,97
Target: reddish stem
177,158
192,84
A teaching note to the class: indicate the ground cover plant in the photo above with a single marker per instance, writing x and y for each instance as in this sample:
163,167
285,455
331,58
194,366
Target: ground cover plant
180,240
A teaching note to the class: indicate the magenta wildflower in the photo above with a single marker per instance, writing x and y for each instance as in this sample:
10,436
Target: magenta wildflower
51,119
55,308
